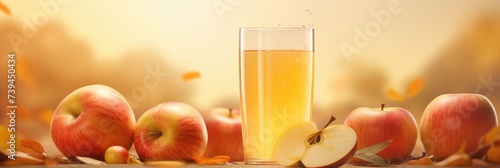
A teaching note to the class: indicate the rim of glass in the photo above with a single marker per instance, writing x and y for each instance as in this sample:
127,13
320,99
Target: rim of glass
276,29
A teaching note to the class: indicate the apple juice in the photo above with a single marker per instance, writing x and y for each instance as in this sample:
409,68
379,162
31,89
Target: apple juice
276,89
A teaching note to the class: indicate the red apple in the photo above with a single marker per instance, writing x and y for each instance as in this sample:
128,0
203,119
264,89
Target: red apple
170,131
224,133
116,155
375,125
90,120
451,119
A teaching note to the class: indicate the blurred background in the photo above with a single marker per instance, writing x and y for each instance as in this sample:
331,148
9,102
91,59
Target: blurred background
399,52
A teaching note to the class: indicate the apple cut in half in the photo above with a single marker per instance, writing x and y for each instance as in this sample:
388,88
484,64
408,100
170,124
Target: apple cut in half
304,145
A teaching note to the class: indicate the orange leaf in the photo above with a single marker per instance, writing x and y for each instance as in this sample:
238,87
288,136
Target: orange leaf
455,160
133,160
415,87
4,9
190,75
393,95
421,161
220,159
491,136
33,148
169,164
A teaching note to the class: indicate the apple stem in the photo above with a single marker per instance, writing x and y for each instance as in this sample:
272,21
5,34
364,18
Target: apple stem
316,138
382,106
230,113
329,122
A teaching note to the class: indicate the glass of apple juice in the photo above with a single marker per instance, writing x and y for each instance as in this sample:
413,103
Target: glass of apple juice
276,68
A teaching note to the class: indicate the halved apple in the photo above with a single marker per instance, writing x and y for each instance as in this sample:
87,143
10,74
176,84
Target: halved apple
305,145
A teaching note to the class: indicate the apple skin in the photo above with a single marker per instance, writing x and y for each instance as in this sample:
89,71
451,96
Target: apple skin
451,119
224,133
91,119
116,155
373,126
170,131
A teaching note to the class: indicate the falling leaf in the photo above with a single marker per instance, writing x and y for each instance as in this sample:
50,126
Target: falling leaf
33,148
90,161
4,9
220,159
415,87
393,95
190,75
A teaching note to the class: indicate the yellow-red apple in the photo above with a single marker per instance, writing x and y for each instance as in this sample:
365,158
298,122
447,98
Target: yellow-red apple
224,133
451,119
170,131
375,125
116,155
91,119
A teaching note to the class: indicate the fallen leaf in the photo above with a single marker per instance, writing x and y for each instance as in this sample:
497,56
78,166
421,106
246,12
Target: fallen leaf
479,162
421,161
369,154
374,149
220,159
492,135
190,75
4,9
373,159
170,164
460,159
90,161
480,151
22,159
393,95
415,87
133,160
33,148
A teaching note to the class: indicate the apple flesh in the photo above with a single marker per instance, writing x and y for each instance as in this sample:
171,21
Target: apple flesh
224,133
451,119
375,125
91,119
303,144
170,131
116,155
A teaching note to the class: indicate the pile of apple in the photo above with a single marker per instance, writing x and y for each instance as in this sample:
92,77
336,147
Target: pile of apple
96,121
449,121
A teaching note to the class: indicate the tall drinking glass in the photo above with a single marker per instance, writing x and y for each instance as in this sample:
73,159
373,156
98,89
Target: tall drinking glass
276,86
